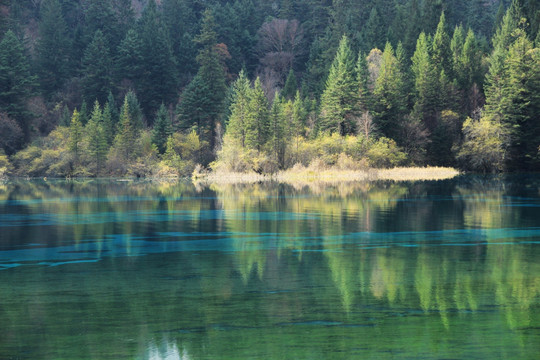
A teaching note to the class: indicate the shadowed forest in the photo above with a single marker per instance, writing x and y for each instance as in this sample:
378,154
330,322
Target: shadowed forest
162,88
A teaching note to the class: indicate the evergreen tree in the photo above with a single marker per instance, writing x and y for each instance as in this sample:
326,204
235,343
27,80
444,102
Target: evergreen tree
113,109
83,113
426,84
340,97
135,112
389,99
277,131
109,127
158,81
97,65
16,82
97,138
289,89
237,123
75,136
162,129
52,48
373,33
126,138
441,52
202,101
130,58
257,121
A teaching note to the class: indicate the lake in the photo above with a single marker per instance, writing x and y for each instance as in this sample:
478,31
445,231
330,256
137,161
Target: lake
142,270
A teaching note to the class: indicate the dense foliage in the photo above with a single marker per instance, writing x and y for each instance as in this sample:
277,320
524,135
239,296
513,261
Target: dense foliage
258,85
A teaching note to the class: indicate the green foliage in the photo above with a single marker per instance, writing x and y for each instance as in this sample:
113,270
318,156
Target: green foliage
98,69
340,97
183,152
483,147
162,129
125,142
290,87
16,82
384,153
52,48
257,120
97,139
237,122
75,135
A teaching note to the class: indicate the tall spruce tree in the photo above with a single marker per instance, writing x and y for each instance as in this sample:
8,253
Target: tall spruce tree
202,101
257,121
16,82
237,122
390,100
97,70
97,138
162,129
340,97
52,47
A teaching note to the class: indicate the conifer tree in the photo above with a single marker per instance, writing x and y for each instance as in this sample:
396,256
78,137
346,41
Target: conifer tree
126,138
75,136
97,139
109,127
426,84
340,97
52,48
162,129
277,131
202,101
158,81
289,89
257,121
389,99
130,58
237,123
135,111
16,82
441,53
97,65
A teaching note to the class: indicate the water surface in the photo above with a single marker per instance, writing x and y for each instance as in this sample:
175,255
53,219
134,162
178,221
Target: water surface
142,270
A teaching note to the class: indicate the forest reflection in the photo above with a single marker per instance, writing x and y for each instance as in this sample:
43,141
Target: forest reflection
274,255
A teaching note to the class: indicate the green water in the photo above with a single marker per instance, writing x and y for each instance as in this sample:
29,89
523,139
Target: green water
141,270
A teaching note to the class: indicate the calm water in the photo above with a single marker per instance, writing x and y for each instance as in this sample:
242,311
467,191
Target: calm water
139,270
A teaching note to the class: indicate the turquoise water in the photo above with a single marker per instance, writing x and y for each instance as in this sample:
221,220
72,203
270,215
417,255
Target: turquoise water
143,270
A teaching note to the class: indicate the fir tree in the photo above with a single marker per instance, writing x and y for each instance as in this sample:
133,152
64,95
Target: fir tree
340,97
75,136
97,64
389,98
97,139
16,82
162,129
277,131
52,48
126,138
289,89
257,121
239,109
441,53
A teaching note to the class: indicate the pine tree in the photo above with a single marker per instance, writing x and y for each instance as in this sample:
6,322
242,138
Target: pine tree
340,97
373,33
109,127
135,112
75,136
16,82
97,139
289,89
236,125
257,121
52,48
162,129
426,84
389,99
202,101
97,65
130,58
126,138
277,131
158,81
441,52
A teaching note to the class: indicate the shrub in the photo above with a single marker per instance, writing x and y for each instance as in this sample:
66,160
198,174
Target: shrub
384,153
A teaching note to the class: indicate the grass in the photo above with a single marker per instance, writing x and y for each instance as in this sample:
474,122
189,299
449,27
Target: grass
300,175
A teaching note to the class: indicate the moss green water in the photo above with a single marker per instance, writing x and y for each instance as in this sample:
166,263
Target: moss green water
138,270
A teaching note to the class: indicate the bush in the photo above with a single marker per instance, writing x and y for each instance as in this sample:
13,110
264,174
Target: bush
384,153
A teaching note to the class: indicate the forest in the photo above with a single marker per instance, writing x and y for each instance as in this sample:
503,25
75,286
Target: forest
153,88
